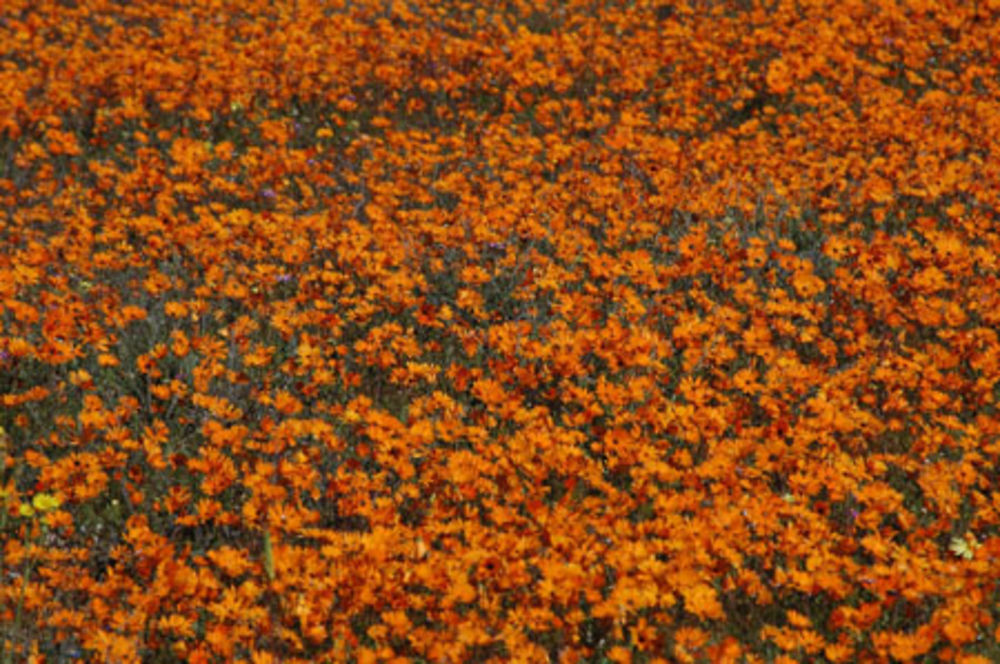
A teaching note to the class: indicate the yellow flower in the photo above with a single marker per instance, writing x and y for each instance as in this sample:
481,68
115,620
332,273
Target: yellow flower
45,502
960,546
26,510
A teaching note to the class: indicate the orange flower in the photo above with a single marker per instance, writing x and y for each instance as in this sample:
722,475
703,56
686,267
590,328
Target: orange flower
701,600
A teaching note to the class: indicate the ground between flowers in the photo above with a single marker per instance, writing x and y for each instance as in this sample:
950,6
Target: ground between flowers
588,331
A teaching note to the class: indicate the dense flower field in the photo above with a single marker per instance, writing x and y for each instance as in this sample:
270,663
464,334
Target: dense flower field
586,331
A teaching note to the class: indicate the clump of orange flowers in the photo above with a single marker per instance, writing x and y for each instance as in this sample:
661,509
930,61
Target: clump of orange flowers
534,331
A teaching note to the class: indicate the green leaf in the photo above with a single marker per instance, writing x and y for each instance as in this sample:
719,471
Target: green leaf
268,556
